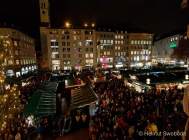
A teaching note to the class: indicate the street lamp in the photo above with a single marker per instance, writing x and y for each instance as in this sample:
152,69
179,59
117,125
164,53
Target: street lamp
67,24
93,25
86,25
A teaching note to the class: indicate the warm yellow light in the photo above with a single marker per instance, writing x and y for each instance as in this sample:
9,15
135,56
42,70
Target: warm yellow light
67,24
86,25
93,24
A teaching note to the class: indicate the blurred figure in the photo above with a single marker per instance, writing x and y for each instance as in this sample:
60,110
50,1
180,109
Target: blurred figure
186,110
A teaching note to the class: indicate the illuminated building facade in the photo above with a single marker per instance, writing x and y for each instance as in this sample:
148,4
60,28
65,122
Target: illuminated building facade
105,48
120,49
163,50
22,55
69,48
139,48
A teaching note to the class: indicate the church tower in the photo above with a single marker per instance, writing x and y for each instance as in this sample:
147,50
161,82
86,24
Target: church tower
44,12
44,30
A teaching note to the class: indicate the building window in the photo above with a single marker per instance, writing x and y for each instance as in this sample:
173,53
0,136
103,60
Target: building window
86,55
68,49
75,37
80,55
17,62
64,55
91,55
15,43
63,43
68,43
10,62
16,52
56,43
91,43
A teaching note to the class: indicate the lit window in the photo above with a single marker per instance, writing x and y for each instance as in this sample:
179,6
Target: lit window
10,62
108,53
86,55
131,52
134,58
146,58
17,62
138,58
91,55
132,42
15,43
75,37
56,62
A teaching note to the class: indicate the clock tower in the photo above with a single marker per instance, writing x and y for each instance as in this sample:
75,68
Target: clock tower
44,12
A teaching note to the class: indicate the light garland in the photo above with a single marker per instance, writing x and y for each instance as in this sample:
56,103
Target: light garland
9,98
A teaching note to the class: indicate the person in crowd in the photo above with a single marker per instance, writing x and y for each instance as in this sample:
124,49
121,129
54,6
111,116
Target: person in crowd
122,112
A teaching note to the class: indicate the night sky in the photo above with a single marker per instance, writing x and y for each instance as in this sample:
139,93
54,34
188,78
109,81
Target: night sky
155,16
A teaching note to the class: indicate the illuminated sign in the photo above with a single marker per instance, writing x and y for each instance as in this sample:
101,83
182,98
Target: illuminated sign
173,45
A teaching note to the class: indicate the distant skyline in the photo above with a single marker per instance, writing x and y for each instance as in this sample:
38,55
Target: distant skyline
155,16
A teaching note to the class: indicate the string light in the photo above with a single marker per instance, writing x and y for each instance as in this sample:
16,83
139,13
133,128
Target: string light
9,106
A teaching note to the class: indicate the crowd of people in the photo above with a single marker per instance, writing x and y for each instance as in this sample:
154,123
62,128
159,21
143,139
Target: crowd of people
123,113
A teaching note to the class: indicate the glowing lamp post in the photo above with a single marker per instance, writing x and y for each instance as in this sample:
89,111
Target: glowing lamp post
67,24
86,25
93,25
